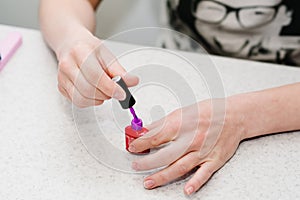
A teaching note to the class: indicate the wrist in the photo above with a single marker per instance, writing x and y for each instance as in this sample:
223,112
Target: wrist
74,37
257,112
226,115
238,109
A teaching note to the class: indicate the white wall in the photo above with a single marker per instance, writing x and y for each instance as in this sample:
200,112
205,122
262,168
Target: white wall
19,12
113,16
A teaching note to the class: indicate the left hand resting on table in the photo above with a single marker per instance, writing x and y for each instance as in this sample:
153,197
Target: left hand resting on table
200,135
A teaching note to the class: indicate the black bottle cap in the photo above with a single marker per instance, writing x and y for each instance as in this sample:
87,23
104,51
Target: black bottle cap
129,101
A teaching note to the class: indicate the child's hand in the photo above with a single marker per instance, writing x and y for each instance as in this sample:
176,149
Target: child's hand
85,70
201,135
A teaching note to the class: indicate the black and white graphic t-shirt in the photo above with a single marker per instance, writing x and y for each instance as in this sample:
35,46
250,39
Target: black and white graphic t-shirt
265,30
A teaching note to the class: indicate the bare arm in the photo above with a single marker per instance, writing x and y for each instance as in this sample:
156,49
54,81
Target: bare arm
61,20
270,111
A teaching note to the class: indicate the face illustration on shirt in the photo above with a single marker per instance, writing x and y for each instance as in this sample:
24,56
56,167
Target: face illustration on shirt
234,27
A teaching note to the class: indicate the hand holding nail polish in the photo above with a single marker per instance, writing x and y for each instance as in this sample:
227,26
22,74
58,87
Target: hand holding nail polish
85,71
136,129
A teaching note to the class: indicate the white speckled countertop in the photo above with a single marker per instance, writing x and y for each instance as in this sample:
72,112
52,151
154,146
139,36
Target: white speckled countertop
42,157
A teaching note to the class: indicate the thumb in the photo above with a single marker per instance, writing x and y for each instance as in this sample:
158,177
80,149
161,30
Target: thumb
130,79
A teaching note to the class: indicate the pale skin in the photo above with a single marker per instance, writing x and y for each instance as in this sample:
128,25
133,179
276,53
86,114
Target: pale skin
68,29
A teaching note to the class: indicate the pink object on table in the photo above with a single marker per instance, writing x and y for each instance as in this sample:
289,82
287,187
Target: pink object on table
9,46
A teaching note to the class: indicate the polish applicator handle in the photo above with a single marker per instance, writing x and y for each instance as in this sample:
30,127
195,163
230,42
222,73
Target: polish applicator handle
129,101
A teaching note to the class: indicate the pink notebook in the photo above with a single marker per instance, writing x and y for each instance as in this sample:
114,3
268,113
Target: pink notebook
8,46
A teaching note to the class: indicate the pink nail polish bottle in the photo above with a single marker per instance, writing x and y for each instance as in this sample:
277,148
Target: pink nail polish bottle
134,131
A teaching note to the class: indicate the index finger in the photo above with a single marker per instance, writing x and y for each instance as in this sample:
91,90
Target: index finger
96,76
163,157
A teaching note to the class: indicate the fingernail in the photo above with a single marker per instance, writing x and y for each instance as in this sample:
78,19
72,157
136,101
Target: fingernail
119,95
189,190
131,148
148,184
135,166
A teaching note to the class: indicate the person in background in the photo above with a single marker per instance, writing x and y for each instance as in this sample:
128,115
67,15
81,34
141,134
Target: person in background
264,30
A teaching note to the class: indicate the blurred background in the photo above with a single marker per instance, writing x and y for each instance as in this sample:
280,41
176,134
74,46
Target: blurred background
113,16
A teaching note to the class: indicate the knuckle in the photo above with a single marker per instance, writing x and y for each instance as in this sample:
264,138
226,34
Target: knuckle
174,129
198,156
197,183
204,122
182,169
155,141
81,50
199,142
162,178
88,92
60,79
70,90
174,120
80,102
60,88
75,49
68,87
208,172
63,65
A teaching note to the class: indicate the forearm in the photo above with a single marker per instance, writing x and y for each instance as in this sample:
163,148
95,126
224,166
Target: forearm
63,20
268,111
